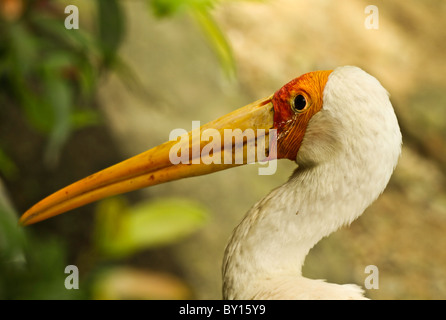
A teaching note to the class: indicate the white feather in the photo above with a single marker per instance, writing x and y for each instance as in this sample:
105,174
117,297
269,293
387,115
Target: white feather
347,156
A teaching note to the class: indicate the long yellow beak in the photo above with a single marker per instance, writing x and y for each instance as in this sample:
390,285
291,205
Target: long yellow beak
155,166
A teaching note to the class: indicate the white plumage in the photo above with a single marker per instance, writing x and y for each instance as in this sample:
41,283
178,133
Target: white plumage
347,156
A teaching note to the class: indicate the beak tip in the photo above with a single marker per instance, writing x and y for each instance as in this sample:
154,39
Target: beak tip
26,220
23,222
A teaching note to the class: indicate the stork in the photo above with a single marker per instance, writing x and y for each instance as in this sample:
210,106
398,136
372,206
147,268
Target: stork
337,125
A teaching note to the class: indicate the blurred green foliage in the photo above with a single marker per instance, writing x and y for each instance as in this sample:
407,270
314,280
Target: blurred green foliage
122,230
199,10
7,166
52,74
32,268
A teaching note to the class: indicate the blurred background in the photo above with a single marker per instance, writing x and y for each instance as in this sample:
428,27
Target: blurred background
73,102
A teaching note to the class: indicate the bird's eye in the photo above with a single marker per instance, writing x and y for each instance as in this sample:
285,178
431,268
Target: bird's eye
299,103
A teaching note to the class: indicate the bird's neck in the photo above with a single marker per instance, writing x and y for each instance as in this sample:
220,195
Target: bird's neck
275,236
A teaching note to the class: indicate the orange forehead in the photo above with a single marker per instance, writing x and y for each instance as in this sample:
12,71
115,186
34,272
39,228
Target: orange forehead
291,125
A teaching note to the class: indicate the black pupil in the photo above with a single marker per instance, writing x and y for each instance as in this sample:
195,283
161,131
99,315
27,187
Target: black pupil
299,102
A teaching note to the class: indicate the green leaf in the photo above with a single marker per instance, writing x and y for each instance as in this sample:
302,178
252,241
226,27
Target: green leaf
24,49
57,36
59,95
29,267
111,28
165,8
122,230
81,118
200,12
87,79
217,40
57,60
12,237
38,112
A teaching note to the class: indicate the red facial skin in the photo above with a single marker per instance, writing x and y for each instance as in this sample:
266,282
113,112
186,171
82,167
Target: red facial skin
292,124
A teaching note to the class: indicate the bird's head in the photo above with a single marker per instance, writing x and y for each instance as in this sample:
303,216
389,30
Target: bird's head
305,114
322,115
294,106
